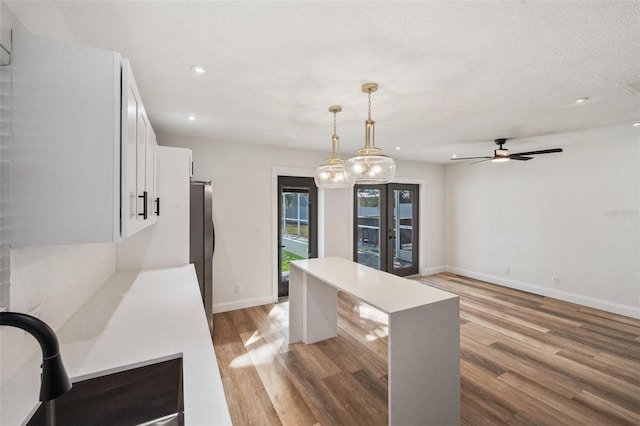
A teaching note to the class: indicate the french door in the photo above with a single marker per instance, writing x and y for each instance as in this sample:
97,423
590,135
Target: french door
298,224
386,227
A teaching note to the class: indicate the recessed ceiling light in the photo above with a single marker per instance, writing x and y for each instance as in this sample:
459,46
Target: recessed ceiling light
582,100
197,69
636,124
397,148
191,117
454,156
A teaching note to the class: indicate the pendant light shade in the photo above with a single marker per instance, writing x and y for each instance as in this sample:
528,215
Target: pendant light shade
370,166
332,173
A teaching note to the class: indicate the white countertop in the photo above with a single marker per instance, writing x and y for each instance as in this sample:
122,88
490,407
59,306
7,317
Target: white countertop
134,317
386,292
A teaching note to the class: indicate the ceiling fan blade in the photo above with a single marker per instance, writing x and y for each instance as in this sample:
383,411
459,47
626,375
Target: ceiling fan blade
470,158
544,151
519,157
486,159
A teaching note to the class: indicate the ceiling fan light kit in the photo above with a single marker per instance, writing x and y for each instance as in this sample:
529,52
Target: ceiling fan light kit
332,173
501,155
370,166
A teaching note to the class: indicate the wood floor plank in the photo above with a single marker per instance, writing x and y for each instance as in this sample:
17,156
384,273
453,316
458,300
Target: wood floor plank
368,352
556,382
375,386
625,393
241,321
326,406
271,331
621,364
286,399
250,402
611,409
512,319
476,410
366,408
318,362
631,375
525,360
343,354
578,412
519,401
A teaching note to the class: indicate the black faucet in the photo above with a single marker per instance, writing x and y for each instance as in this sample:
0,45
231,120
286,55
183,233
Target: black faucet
55,381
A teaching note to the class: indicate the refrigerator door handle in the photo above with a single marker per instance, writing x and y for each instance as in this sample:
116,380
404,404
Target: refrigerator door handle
213,238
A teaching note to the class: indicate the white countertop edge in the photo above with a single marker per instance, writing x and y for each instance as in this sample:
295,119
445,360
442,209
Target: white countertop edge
384,291
135,316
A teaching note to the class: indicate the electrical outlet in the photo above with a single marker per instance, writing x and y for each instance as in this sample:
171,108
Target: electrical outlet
506,270
236,289
556,281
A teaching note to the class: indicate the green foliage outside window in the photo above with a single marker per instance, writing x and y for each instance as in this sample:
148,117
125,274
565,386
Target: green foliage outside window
287,257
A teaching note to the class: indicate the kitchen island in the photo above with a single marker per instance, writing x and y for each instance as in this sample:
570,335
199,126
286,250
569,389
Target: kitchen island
424,332
134,317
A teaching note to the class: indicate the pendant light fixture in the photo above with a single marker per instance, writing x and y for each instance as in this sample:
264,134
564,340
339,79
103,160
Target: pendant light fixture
370,166
332,174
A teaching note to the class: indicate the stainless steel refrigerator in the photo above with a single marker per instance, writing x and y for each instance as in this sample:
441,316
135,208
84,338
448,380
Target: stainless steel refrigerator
202,242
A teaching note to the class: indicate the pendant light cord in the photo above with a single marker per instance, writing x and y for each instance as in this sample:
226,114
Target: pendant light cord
369,129
334,138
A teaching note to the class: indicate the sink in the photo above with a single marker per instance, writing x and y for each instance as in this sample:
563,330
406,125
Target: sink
147,393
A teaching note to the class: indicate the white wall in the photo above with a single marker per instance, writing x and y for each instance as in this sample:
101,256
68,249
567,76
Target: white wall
242,176
574,216
50,283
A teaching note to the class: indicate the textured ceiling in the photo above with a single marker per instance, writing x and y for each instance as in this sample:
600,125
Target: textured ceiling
453,76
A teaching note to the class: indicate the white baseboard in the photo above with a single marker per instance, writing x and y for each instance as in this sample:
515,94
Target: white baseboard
433,270
243,304
615,308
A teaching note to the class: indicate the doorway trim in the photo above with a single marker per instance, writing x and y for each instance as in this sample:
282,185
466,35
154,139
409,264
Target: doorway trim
295,172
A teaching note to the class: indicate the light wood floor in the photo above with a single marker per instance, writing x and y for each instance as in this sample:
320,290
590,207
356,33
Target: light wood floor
525,360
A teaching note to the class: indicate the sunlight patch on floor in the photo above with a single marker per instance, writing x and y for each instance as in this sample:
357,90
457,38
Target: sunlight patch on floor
259,355
378,333
253,339
280,314
372,314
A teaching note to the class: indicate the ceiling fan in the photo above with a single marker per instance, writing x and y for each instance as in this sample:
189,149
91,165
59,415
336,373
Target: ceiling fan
502,154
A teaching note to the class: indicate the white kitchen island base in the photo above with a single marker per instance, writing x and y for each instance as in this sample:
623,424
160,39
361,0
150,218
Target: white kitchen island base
424,332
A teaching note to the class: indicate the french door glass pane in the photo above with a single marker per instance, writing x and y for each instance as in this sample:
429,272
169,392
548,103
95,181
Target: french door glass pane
295,228
368,224
297,224
403,227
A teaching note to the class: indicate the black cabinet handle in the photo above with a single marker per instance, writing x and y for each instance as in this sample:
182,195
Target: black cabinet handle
158,206
145,213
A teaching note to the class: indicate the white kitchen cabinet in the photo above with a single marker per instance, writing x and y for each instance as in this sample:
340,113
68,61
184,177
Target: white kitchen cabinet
151,178
80,144
141,162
